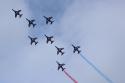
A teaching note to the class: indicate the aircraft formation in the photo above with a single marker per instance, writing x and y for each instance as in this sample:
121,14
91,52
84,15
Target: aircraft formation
49,39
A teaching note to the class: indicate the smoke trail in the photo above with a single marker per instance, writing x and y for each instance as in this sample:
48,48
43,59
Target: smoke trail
96,69
70,77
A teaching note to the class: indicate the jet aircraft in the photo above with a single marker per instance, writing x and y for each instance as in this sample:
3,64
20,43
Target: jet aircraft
76,48
17,13
49,19
33,40
49,39
31,22
60,66
59,50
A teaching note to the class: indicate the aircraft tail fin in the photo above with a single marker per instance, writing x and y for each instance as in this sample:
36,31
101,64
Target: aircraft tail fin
34,25
73,51
62,53
20,15
47,41
79,51
52,42
36,43
63,69
31,43
52,22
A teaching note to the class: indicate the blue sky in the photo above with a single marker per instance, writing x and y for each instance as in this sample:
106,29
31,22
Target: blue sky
96,25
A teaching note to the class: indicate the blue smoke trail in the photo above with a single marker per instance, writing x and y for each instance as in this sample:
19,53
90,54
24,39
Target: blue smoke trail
96,69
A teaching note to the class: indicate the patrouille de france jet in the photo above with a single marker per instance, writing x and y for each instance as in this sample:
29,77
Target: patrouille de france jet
31,22
49,19
17,13
76,48
33,40
49,39
60,66
59,50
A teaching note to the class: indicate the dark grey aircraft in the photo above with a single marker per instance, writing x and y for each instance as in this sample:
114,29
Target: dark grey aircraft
33,40
48,19
17,13
76,48
49,39
60,66
31,22
59,50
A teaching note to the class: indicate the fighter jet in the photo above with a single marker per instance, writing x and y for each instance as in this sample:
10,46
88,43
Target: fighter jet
33,40
76,48
60,66
49,39
59,50
48,19
17,12
31,22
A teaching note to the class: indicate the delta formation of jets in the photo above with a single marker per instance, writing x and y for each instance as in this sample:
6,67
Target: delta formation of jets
48,38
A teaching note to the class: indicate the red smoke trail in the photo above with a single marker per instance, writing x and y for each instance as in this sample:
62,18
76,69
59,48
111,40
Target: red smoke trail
70,77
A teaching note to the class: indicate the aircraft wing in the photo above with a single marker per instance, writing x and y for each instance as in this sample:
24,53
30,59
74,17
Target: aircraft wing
56,47
45,17
35,38
74,51
15,15
19,10
47,41
45,36
57,52
46,21
58,67
51,36
50,17
78,46
31,42
13,10
29,24
63,64
73,45
62,48
27,19
29,37
33,20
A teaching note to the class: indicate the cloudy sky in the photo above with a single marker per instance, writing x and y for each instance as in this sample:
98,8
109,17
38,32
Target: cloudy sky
96,25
